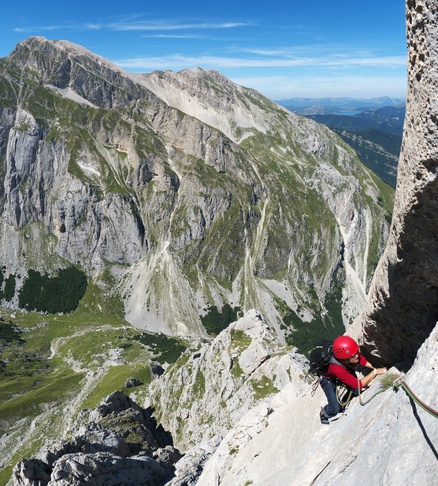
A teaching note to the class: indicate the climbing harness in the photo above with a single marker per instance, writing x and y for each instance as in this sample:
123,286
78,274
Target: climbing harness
345,393
338,386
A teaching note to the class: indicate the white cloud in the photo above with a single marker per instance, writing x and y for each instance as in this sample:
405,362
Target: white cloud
137,25
178,61
165,25
46,28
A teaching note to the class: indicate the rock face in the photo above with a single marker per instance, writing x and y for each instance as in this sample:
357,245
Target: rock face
259,437
175,191
390,439
402,308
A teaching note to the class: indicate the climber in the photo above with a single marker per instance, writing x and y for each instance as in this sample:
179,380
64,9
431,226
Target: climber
346,358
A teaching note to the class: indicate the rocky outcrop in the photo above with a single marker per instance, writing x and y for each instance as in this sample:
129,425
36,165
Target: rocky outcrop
210,388
196,401
402,308
118,443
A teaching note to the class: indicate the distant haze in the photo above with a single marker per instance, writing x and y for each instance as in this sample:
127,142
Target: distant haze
343,105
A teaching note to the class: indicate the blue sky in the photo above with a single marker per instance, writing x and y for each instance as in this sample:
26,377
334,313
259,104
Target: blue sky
283,49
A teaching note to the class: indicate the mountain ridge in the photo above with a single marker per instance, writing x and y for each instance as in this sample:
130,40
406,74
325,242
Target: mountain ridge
375,134
387,119
193,193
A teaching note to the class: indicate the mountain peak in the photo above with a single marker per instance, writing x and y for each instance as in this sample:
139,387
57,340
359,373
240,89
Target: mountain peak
203,180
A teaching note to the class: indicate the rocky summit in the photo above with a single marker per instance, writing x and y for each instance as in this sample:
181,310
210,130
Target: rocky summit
175,193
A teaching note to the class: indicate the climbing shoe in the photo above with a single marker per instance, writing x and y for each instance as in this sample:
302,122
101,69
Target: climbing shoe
324,419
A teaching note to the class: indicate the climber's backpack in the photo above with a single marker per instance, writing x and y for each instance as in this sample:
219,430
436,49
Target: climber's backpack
320,356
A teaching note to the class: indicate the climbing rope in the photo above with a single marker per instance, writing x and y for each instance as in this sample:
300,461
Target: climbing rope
396,384
363,403
342,391
350,395
414,397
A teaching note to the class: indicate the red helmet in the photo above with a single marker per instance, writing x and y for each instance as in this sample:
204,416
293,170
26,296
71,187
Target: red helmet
344,347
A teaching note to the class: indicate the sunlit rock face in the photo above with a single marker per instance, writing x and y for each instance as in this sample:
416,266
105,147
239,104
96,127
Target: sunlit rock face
278,439
402,308
390,438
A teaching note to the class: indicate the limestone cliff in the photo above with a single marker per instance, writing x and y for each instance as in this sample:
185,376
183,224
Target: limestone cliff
208,390
402,308
391,440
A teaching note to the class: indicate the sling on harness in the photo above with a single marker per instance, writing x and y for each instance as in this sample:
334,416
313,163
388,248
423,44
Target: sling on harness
348,393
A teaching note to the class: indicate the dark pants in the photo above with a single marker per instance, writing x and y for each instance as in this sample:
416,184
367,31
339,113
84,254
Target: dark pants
333,407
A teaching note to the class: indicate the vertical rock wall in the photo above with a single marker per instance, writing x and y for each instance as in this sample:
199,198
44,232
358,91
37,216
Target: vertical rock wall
402,308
